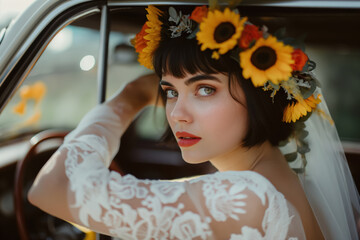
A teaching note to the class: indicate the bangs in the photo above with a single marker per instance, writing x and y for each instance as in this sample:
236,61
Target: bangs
178,57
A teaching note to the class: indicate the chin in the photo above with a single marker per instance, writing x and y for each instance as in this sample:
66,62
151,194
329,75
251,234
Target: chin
193,159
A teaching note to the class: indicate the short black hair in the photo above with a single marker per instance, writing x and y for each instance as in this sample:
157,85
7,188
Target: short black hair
178,56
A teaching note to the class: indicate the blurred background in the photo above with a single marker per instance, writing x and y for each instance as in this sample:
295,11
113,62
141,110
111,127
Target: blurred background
9,9
331,41
66,75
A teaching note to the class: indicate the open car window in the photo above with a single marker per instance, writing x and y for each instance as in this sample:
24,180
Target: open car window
59,89
331,43
63,85
68,67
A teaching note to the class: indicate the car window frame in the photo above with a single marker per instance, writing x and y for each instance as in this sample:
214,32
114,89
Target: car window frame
23,60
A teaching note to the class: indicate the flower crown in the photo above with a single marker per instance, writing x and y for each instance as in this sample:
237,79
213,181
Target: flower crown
269,61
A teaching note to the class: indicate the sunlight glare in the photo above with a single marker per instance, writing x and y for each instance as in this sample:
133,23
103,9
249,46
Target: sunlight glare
87,62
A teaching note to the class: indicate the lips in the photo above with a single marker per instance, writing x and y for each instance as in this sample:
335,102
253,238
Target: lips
186,139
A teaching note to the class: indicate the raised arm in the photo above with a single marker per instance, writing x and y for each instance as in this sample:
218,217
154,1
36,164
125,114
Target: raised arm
77,186
100,131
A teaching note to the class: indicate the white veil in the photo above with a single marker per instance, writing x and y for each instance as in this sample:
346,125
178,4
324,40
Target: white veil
327,180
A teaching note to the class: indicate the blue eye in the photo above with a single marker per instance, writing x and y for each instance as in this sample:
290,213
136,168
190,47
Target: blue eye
170,93
206,91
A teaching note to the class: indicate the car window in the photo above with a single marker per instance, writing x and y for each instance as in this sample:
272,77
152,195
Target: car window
331,42
60,88
123,67
63,84
68,67
338,70
10,9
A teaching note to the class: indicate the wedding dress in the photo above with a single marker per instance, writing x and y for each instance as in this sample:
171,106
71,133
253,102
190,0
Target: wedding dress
236,205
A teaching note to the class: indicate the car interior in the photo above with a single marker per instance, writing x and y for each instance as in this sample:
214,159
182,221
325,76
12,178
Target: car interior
68,69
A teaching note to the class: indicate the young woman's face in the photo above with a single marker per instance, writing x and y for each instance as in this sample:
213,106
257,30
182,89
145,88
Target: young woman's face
205,119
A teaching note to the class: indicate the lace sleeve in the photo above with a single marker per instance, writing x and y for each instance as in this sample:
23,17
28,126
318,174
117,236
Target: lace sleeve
227,205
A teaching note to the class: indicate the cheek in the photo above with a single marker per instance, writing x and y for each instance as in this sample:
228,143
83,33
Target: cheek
221,122
229,122
168,110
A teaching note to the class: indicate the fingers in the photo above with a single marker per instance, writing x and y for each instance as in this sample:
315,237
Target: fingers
147,87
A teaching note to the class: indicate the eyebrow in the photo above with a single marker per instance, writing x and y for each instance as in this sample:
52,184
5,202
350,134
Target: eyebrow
193,80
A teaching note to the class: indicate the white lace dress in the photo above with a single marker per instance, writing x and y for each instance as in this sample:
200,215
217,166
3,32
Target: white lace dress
224,205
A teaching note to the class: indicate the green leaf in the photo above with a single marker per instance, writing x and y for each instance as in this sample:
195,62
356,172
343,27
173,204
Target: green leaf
193,34
298,170
252,43
275,86
295,42
283,143
307,92
235,55
303,149
301,142
304,118
304,160
280,33
311,65
299,126
302,134
236,11
236,58
290,157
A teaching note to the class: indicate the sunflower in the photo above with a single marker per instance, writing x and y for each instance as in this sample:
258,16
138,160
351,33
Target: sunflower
220,30
267,60
298,109
147,40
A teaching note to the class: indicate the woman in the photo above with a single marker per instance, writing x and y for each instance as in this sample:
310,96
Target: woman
233,94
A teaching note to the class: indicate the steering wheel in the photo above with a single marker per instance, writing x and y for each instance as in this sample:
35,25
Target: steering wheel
31,157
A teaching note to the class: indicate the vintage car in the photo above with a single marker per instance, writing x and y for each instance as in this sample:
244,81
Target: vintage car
58,59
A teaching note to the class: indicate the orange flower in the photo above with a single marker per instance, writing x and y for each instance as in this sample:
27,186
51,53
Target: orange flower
147,40
249,34
300,59
199,13
139,41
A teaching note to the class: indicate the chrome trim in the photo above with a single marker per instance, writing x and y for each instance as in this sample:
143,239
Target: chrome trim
52,13
2,34
22,47
351,147
103,53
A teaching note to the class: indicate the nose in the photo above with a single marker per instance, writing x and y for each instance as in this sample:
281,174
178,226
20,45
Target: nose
181,111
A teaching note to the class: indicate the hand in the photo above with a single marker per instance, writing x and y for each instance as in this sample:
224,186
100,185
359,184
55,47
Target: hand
144,89
136,95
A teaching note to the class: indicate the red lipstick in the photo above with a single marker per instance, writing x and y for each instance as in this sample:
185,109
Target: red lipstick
186,139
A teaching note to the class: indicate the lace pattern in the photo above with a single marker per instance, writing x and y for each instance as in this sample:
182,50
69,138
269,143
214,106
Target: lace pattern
129,208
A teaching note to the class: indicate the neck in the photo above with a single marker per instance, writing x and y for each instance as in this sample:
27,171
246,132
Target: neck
243,158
